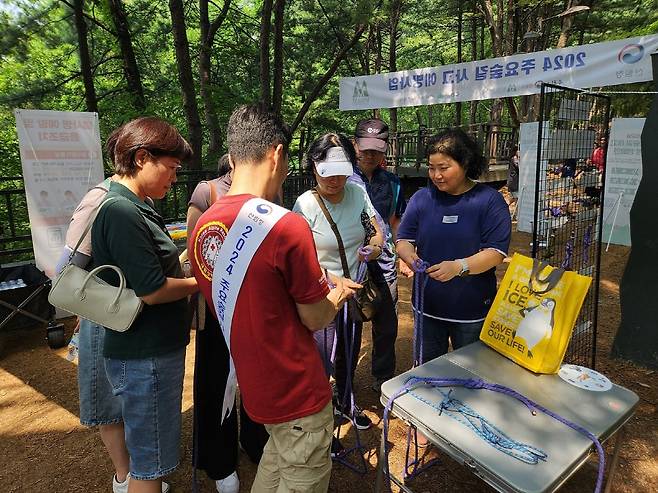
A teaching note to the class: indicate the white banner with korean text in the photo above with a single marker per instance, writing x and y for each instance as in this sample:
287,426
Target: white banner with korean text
623,172
594,65
61,159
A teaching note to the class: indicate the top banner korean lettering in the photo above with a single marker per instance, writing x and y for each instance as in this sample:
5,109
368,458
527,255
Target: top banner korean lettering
594,65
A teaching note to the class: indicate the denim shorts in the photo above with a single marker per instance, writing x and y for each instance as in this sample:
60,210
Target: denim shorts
98,405
436,334
151,392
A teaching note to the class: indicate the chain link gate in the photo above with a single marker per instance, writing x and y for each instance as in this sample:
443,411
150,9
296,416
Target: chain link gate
568,206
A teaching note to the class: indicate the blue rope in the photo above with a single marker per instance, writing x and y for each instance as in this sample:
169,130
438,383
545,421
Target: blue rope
472,383
470,418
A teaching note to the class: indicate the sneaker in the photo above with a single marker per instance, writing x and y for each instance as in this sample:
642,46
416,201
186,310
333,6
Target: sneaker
337,448
360,420
123,487
230,484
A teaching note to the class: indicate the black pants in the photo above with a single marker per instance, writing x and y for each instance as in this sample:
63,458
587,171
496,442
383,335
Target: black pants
215,444
384,325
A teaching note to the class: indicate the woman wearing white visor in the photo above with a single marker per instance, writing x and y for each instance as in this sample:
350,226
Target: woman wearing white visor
331,157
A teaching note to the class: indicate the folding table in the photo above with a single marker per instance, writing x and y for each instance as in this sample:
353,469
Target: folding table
601,413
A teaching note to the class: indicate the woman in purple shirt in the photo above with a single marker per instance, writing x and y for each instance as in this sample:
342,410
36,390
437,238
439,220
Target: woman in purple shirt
462,229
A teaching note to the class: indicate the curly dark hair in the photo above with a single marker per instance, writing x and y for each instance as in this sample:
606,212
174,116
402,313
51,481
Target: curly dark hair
319,147
462,148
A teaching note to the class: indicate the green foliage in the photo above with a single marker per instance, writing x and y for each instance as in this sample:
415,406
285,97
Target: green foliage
39,61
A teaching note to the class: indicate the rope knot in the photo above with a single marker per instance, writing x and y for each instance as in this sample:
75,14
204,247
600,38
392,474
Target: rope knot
420,265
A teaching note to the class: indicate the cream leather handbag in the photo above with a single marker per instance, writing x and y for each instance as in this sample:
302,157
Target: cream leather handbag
86,295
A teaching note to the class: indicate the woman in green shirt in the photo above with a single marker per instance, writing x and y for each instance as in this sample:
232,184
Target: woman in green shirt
146,363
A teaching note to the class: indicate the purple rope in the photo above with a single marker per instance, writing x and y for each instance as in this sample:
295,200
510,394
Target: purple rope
332,356
348,393
473,383
566,263
420,281
587,242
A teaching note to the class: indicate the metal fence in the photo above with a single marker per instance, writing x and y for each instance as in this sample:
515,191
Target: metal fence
569,198
406,150
16,240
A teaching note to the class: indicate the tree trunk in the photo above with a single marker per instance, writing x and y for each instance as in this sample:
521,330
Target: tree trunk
277,92
495,29
208,32
460,20
583,25
302,148
326,77
130,68
472,116
567,24
264,43
377,112
396,10
195,133
85,60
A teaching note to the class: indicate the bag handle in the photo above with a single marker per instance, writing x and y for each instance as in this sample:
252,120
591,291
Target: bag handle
550,280
114,306
334,228
213,192
88,227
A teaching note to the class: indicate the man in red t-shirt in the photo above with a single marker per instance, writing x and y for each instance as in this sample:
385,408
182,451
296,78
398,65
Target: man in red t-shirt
283,298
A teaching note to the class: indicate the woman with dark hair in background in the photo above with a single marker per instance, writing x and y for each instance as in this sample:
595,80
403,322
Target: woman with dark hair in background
462,229
331,158
216,443
207,191
146,364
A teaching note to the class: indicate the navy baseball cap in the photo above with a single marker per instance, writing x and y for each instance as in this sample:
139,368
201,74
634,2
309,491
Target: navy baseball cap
372,135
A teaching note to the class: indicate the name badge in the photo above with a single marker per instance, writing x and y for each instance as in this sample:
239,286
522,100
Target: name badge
450,219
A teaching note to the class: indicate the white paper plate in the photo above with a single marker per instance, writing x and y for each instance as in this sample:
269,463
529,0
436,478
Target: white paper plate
585,378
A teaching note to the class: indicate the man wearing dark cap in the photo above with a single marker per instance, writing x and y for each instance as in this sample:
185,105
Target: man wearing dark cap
385,192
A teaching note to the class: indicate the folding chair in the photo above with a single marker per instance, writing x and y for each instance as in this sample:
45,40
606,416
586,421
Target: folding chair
20,306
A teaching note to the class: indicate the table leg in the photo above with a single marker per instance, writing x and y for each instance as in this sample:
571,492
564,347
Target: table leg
621,434
382,465
381,458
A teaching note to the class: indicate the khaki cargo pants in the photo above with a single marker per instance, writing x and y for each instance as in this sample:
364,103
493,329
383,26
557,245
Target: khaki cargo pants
296,458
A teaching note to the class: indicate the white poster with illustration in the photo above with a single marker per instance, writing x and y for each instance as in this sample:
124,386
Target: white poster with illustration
61,159
622,178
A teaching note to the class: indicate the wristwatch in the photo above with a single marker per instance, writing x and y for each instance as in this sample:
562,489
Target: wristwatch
465,271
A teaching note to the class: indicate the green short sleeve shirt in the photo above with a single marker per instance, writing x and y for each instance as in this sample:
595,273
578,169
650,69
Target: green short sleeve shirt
130,234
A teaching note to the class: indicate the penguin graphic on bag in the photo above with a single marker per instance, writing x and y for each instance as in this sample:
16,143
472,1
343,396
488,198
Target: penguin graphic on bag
537,323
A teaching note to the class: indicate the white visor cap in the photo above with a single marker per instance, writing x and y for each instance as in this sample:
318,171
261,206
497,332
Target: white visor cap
335,163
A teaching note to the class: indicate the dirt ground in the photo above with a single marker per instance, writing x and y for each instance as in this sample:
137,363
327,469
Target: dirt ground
43,447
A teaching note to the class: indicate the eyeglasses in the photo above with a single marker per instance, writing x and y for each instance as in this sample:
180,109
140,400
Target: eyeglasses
155,154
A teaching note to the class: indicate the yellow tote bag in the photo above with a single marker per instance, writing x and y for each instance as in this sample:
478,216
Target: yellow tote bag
534,313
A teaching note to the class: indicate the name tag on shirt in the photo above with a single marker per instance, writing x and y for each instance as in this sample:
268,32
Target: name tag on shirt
450,219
